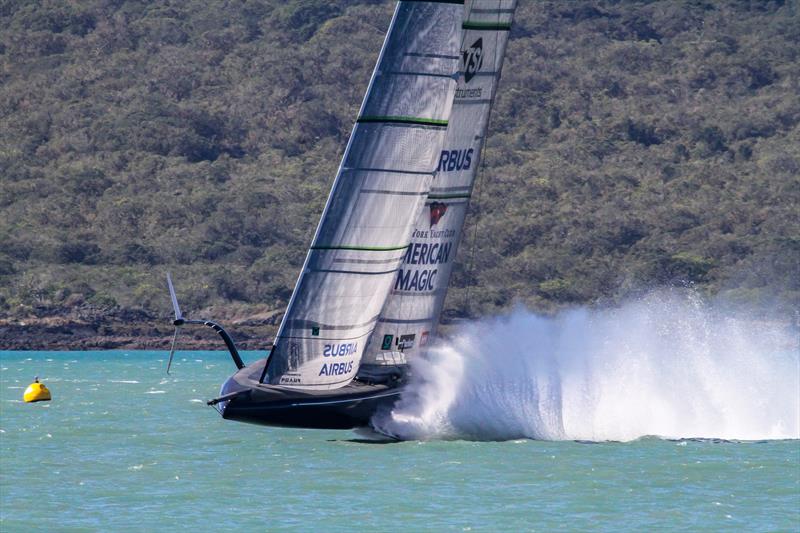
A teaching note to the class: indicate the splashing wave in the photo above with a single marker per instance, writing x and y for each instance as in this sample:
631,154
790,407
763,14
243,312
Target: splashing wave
669,365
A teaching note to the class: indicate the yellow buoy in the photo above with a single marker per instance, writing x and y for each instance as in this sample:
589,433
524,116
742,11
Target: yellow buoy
36,392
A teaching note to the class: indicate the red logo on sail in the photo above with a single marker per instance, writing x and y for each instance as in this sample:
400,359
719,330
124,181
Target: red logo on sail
438,209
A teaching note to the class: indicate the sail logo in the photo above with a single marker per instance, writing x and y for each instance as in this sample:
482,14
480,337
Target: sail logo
416,280
438,209
427,254
450,160
387,342
422,280
406,342
335,369
340,350
473,59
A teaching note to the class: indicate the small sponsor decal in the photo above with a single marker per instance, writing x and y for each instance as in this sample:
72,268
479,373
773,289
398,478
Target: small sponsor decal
462,94
315,331
423,338
433,233
294,355
473,59
387,342
438,209
406,342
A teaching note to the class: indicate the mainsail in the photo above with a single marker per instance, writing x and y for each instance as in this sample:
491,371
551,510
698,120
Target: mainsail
380,189
411,313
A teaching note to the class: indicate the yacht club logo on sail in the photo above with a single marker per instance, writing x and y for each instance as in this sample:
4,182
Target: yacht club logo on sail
438,209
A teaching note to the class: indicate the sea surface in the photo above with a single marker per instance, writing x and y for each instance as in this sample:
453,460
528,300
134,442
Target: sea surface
124,447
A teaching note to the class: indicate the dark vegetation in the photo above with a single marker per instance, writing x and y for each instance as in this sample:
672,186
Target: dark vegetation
633,144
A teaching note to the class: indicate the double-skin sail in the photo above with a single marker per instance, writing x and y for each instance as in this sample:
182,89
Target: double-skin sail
381,186
411,312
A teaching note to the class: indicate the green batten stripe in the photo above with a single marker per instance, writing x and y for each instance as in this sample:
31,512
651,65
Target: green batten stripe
362,248
403,120
505,26
447,196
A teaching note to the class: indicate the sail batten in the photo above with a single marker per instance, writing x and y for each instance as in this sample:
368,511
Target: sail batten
361,248
380,189
391,171
411,121
492,26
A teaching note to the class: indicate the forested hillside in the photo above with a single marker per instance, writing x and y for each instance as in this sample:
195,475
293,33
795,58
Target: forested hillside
633,145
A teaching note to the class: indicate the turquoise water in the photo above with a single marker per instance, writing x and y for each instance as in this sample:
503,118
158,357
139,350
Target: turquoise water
123,447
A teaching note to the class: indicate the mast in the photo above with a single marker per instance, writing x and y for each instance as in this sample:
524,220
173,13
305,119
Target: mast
380,189
411,313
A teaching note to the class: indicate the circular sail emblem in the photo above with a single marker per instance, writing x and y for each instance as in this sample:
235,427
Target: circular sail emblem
438,210
473,59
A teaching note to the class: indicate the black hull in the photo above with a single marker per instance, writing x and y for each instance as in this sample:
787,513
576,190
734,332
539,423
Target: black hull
244,399
347,408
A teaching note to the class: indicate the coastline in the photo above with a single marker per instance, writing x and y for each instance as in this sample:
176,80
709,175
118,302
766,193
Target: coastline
127,329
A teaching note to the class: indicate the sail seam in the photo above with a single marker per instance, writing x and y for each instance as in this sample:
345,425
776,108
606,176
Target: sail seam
434,190
484,11
399,119
331,271
472,102
361,248
448,196
413,73
405,321
432,56
368,261
436,1
392,193
389,170
486,26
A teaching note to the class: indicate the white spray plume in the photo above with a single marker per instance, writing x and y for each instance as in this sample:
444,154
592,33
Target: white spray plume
668,365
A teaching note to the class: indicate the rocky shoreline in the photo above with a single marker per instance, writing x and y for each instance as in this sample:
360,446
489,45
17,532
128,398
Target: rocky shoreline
96,329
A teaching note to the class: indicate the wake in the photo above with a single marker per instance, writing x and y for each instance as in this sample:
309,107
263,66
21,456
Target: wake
668,365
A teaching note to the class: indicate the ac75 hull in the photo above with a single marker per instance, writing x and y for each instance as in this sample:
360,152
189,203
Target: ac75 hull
245,400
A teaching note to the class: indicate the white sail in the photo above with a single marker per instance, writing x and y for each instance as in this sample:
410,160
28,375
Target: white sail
379,191
411,312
